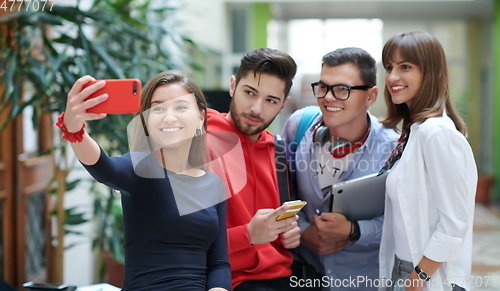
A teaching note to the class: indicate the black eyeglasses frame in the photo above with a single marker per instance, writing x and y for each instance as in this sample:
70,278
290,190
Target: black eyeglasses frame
330,88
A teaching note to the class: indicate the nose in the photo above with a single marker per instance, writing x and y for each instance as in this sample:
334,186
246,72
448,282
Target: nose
169,117
256,107
392,76
329,96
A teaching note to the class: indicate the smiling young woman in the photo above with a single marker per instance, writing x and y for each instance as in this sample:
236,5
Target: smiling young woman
427,232
174,214
403,79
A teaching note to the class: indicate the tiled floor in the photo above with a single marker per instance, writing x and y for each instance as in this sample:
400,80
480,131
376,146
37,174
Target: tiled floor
486,249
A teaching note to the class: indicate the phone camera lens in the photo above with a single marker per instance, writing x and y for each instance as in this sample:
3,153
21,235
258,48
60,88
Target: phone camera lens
134,88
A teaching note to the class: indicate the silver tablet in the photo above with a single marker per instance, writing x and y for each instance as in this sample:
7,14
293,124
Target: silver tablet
361,198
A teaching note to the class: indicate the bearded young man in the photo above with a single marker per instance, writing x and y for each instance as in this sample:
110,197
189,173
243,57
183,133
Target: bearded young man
257,242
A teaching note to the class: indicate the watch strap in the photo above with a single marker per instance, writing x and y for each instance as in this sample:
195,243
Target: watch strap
418,270
355,232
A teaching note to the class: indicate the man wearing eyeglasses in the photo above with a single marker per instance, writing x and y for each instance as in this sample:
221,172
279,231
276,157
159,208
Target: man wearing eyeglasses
344,141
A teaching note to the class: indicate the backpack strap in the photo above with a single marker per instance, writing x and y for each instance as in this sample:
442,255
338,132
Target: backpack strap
310,113
281,169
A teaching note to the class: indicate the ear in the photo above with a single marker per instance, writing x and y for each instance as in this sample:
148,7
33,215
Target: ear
287,99
202,119
232,85
372,96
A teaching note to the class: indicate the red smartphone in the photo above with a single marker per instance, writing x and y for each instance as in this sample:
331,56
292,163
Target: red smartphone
124,96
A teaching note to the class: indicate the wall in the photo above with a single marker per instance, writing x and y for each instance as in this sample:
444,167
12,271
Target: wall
496,97
79,260
205,22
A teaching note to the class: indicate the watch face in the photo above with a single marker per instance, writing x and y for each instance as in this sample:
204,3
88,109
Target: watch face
423,275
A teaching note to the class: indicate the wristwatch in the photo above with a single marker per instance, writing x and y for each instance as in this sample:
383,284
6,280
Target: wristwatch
355,232
422,275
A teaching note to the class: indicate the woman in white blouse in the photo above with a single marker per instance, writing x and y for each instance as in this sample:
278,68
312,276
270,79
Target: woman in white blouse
427,233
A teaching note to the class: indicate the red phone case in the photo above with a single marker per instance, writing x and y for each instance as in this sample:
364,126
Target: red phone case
124,96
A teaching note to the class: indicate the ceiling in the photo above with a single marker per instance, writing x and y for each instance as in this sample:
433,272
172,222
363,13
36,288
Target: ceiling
388,9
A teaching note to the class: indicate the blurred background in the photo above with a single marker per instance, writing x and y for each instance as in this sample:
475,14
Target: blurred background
57,225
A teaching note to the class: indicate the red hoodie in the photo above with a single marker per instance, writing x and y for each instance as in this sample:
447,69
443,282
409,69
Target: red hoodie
259,190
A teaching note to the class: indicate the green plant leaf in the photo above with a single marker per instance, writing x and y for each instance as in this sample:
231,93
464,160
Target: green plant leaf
165,9
68,77
50,19
16,99
17,16
67,40
9,75
117,245
115,70
56,66
73,218
69,13
85,44
68,231
72,245
71,185
135,33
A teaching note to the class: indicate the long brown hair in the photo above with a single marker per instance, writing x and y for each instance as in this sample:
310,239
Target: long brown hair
433,97
198,154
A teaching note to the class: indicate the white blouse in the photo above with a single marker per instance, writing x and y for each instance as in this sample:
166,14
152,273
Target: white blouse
436,185
401,245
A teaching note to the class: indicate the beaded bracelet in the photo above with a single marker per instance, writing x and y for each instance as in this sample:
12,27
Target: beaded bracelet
72,137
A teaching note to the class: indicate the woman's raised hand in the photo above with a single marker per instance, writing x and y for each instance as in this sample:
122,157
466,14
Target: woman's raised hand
77,105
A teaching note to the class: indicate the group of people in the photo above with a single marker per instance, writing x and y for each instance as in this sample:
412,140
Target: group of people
200,188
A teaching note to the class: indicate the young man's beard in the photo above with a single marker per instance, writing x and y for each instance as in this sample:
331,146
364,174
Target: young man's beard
245,128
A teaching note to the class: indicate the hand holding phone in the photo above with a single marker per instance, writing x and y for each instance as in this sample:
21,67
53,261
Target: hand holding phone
295,207
124,96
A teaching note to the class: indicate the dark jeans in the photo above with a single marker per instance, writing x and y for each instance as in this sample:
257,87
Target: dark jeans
278,284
